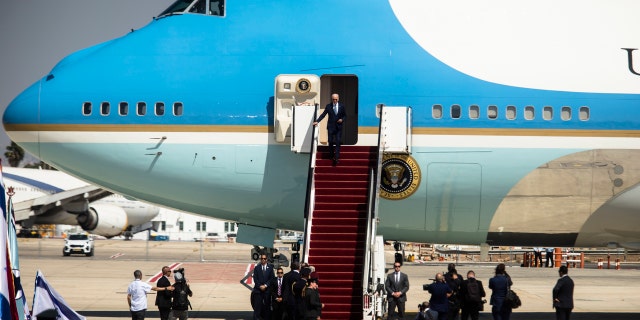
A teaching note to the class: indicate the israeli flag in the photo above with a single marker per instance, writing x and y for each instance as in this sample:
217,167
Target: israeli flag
46,298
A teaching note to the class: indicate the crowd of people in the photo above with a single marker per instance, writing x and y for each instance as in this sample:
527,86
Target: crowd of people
295,295
172,300
453,297
279,296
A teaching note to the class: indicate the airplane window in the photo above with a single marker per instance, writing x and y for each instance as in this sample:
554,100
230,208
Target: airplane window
511,112
159,108
547,113
436,111
492,112
584,113
529,113
104,108
178,6
216,7
474,112
177,108
455,111
86,108
209,7
123,108
141,108
565,113
199,6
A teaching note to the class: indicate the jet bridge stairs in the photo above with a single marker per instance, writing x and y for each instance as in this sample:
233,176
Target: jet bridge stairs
341,218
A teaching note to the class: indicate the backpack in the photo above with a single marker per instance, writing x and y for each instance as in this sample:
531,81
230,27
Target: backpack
181,298
473,292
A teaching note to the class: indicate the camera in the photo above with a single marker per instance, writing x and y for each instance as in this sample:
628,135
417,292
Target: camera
425,287
178,274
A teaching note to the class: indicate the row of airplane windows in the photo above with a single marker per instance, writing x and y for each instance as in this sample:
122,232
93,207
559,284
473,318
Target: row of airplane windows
141,108
511,112
437,111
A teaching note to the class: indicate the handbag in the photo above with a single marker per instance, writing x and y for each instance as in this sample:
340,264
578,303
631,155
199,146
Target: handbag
512,299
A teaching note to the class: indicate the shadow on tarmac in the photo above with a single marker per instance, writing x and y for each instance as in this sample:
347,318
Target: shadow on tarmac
237,315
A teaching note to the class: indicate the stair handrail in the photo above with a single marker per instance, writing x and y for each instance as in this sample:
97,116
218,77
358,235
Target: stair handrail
309,204
369,287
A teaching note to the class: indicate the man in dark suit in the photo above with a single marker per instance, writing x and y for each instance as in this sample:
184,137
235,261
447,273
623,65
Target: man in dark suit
260,299
163,298
337,115
290,278
563,295
397,285
276,288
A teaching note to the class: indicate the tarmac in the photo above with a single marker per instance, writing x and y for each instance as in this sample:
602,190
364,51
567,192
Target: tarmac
96,286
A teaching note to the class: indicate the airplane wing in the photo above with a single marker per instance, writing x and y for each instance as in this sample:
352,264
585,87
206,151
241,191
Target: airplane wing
74,201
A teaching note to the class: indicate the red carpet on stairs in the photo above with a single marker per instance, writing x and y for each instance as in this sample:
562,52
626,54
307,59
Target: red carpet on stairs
339,228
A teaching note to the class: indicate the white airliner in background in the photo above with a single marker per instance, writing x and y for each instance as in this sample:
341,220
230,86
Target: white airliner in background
524,127
54,197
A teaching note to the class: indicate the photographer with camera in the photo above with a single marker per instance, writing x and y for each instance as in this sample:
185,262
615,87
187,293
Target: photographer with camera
440,293
454,281
181,293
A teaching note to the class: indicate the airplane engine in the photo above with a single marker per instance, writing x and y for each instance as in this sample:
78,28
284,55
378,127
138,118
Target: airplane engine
103,219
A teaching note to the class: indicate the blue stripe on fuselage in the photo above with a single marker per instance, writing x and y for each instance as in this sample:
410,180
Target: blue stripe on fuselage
223,70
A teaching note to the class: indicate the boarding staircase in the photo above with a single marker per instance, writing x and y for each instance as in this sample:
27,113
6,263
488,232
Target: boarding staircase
341,219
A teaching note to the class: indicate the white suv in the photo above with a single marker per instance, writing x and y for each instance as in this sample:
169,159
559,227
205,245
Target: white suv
78,243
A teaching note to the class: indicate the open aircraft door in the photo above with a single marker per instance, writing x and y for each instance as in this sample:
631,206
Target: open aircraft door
296,96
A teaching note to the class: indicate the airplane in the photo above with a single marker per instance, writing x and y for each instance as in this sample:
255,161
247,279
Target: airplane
54,197
524,119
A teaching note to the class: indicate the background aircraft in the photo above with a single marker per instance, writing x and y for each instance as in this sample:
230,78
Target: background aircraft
514,140
54,197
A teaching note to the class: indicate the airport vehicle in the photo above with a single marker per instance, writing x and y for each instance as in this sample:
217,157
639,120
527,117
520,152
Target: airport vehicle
520,132
78,243
54,197
211,237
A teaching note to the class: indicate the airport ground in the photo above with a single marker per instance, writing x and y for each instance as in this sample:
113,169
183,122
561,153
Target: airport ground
96,286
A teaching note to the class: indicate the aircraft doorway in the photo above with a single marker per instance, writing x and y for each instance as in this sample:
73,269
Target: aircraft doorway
347,87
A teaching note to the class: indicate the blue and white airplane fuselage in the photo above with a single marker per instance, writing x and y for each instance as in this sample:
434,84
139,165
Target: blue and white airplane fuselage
526,144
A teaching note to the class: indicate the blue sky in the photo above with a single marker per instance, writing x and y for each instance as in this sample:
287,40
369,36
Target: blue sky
36,34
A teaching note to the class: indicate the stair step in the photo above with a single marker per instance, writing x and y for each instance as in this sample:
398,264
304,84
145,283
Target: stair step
337,252
318,220
344,198
339,214
340,206
330,244
342,275
338,259
339,190
322,184
336,237
337,315
341,169
339,229
339,177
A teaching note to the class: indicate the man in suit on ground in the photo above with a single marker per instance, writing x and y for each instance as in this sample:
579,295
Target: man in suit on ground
563,295
337,115
290,278
276,287
397,285
163,298
260,299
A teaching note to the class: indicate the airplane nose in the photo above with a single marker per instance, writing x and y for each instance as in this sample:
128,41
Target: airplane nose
21,114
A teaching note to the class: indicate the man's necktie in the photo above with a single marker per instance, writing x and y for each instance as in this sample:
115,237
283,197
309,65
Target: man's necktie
397,278
279,286
335,108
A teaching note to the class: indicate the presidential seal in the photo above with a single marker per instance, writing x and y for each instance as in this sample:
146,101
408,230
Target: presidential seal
303,85
400,176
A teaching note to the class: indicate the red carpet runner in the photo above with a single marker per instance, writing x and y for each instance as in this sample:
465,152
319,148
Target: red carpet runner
339,229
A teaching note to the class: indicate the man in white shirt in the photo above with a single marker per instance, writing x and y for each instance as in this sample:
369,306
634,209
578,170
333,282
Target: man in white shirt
137,295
